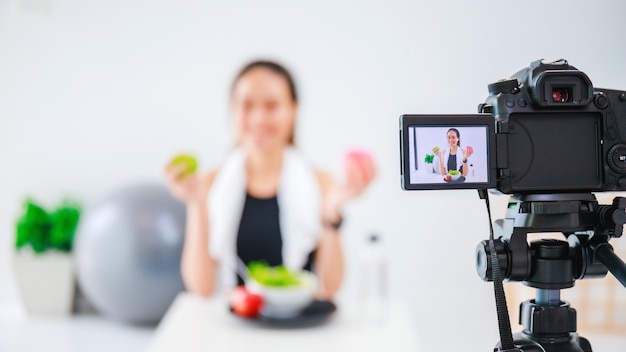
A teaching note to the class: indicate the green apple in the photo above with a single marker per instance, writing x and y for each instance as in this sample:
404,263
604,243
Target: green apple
190,162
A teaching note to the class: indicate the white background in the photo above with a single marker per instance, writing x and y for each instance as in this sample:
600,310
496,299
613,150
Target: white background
97,94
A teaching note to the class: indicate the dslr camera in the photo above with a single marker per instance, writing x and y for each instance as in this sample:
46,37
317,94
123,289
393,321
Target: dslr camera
544,130
548,137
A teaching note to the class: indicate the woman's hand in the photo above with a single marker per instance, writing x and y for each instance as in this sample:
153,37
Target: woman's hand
360,170
187,188
467,152
440,154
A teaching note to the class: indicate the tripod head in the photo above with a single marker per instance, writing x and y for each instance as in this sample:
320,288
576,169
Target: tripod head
551,265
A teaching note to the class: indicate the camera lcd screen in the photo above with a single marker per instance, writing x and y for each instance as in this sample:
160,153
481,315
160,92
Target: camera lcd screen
447,152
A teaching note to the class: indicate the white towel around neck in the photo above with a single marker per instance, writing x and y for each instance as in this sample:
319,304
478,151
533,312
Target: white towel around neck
299,207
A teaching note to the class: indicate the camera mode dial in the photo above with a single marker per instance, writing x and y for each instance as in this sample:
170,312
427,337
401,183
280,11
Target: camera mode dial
617,158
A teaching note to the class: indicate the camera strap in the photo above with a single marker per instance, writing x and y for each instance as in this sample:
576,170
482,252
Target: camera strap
504,324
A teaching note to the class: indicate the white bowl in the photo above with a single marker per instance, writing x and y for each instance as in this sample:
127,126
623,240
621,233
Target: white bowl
454,177
285,302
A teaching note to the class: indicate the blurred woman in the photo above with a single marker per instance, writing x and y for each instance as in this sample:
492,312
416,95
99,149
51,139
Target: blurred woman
265,202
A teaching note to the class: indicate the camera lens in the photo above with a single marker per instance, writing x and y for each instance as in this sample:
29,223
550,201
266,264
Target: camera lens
561,95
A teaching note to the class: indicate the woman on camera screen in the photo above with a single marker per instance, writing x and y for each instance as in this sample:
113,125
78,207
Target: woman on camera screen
454,158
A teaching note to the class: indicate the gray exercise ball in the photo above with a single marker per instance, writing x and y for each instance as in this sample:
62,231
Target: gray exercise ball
127,253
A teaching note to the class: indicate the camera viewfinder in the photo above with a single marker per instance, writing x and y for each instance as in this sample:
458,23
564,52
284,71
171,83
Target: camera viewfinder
562,95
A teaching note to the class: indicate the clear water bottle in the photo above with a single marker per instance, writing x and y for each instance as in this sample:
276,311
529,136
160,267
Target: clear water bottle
373,280
471,171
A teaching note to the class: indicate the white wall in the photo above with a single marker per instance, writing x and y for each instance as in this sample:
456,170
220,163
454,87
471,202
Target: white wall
96,94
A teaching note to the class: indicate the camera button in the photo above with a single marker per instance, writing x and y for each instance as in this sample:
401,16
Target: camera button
521,103
601,100
622,97
616,159
510,103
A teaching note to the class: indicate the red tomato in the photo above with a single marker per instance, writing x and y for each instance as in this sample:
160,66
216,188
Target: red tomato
447,178
245,303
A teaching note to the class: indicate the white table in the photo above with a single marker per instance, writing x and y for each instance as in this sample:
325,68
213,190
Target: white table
196,324
419,176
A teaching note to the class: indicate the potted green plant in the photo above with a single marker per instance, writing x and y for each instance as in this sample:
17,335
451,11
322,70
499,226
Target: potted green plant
42,261
428,163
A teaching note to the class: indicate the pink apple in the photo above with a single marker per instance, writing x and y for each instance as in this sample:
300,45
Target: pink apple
358,158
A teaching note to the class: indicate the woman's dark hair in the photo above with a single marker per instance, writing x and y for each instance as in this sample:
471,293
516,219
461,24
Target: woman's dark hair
275,68
458,135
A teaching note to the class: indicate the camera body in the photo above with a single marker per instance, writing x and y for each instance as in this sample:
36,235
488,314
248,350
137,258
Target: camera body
548,131
556,133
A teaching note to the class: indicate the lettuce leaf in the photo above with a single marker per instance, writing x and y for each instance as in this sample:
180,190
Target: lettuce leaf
278,276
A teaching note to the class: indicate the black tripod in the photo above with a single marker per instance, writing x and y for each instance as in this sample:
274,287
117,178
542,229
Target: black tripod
549,324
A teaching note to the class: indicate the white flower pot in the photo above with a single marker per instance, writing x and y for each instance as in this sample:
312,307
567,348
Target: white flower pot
427,168
45,281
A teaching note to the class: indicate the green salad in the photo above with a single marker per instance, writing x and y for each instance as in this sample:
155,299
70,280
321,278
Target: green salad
278,276
454,173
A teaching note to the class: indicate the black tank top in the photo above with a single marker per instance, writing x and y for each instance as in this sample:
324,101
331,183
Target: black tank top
259,237
451,162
